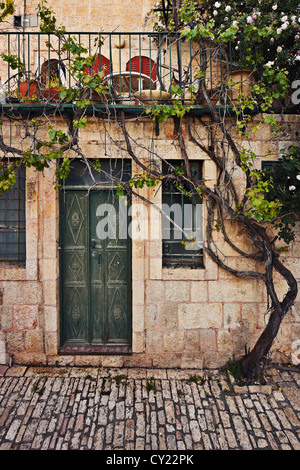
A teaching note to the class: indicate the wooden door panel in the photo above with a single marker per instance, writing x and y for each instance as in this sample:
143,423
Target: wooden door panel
95,272
74,269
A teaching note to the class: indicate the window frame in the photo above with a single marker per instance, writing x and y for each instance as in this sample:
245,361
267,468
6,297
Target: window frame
17,224
181,257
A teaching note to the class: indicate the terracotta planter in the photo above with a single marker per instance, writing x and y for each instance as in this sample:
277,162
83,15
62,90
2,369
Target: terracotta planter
152,96
29,91
213,94
188,99
100,98
243,82
125,98
96,98
51,95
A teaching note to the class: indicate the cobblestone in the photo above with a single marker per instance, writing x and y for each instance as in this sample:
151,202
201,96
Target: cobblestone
53,408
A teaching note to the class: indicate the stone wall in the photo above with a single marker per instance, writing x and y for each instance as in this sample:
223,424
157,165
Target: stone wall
94,15
181,317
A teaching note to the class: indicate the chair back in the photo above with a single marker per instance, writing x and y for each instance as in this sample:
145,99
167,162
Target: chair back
142,64
101,63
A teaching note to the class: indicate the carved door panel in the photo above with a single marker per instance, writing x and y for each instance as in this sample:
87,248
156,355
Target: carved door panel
95,274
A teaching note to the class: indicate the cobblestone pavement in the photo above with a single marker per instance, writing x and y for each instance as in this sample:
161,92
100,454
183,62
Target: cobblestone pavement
62,408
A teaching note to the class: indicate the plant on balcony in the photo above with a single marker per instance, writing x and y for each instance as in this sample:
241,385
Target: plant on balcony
255,34
27,90
51,89
24,90
262,35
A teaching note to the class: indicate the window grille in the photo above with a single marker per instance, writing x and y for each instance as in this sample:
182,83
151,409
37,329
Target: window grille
182,235
271,165
12,219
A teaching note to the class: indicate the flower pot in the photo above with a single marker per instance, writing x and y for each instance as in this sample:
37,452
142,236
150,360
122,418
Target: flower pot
94,97
243,81
214,98
187,98
51,95
28,90
100,98
125,98
152,96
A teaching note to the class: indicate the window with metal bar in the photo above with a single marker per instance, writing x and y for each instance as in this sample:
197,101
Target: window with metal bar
182,219
270,165
12,219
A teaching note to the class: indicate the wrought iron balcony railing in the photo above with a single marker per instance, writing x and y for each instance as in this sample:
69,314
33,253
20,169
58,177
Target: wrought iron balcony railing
137,68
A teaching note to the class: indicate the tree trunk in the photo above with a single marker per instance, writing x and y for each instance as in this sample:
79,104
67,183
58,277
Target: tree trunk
251,362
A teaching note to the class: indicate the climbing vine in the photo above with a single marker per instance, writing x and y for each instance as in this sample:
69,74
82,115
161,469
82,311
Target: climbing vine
253,33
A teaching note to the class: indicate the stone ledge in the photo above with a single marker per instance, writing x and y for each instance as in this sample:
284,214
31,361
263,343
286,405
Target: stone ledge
250,389
16,371
3,369
253,389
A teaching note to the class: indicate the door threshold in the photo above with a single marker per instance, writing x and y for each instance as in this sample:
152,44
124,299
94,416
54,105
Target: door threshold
95,350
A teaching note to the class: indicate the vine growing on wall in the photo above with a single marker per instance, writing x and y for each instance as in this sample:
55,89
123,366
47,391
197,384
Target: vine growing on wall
242,37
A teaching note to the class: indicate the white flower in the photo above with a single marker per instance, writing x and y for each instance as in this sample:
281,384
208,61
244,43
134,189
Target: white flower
293,18
270,63
274,7
249,19
234,23
285,25
284,19
279,31
228,8
298,177
292,188
217,4
279,49
215,12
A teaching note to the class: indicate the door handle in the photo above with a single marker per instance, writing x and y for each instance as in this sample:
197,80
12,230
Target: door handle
98,255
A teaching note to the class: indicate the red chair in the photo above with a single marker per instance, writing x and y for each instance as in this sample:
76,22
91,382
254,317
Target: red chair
142,64
101,63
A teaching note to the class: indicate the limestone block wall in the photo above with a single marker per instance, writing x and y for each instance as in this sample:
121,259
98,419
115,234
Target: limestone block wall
180,317
205,316
93,15
29,291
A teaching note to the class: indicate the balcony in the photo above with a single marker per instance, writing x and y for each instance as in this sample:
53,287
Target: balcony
138,70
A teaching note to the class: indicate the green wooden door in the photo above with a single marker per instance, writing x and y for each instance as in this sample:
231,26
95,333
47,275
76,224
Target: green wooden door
95,273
